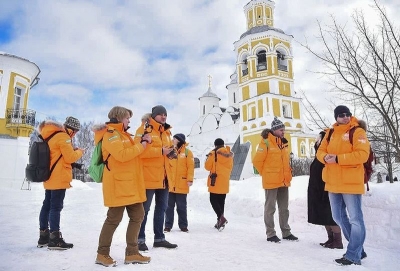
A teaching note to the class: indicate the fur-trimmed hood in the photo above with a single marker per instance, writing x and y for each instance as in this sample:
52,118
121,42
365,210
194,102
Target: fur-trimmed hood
48,127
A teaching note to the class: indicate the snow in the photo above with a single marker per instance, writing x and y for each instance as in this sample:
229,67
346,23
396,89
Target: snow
241,246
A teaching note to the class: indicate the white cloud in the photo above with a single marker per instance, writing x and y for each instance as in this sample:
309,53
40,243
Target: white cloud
142,53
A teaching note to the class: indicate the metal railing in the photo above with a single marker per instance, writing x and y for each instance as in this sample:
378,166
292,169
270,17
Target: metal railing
20,117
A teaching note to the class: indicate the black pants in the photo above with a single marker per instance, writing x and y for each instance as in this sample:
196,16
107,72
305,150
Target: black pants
218,203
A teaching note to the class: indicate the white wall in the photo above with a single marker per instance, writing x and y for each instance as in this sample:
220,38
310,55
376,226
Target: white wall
13,160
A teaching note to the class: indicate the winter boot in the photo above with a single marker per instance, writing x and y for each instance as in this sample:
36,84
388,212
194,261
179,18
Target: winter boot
136,258
330,239
105,260
56,242
337,241
43,238
221,223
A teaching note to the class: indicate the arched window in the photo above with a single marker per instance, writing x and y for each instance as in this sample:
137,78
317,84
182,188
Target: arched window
261,60
303,149
312,150
245,68
282,61
286,110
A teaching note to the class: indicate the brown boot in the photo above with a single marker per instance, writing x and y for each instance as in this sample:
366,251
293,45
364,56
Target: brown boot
330,239
337,241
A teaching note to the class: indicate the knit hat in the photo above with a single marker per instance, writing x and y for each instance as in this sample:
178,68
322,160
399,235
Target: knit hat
341,109
219,142
277,124
158,110
72,123
181,137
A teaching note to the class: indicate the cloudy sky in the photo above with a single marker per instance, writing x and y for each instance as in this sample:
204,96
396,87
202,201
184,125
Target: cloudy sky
94,54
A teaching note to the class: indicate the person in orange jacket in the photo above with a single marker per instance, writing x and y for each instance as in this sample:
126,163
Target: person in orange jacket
62,154
181,165
220,163
156,175
123,184
273,164
343,175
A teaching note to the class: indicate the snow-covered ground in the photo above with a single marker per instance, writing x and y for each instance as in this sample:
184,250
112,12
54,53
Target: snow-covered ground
241,246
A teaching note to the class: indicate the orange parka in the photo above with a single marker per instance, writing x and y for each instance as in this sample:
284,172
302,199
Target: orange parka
219,161
59,144
154,162
123,182
347,175
181,171
272,161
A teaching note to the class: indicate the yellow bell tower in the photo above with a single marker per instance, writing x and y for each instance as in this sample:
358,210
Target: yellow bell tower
263,85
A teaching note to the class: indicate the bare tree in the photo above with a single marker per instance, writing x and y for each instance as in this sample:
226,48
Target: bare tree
84,139
363,66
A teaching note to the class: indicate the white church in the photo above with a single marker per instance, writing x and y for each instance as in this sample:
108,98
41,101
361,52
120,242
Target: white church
261,88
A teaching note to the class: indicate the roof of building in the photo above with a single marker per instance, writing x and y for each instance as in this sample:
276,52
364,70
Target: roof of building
259,29
209,93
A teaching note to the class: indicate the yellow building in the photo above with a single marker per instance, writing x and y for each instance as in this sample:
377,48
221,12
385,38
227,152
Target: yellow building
261,88
17,77
263,85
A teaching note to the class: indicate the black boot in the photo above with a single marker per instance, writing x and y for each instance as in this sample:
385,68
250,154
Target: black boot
330,239
57,242
43,238
337,241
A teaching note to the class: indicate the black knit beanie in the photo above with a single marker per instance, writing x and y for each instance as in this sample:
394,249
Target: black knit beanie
341,109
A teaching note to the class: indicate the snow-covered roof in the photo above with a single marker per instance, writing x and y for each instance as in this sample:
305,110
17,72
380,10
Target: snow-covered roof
209,93
259,29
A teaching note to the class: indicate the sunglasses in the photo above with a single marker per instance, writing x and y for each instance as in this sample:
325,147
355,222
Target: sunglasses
342,115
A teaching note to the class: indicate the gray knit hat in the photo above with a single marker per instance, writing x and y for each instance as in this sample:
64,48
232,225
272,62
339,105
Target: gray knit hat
72,123
158,110
277,124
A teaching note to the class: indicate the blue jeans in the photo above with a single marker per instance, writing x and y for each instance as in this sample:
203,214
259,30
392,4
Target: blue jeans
50,213
181,209
352,225
161,199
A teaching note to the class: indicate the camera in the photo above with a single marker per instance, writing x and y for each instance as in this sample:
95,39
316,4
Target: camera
172,154
76,165
213,178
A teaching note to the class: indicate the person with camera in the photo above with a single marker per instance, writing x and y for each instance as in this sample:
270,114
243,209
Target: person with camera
123,184
181,165
62,155
155,173
273,164
220,163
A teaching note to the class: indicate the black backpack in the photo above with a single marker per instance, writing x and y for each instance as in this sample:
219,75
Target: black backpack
38,170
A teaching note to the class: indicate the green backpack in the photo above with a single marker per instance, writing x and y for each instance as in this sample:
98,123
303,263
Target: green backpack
97,164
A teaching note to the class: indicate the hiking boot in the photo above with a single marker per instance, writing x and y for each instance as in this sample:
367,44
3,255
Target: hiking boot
274,239
216,225
184,229
167,229
337,241
56,242
43,238
143,247
165,244
136,258
105,260
221,223
344,261
363,255
291,237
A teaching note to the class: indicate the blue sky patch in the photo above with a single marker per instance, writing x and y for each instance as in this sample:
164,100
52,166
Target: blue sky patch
5,32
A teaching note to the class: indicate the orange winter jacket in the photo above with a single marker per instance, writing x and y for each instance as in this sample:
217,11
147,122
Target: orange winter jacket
123,182
347,175
273,162
59,144
181,171
222,167
154,162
